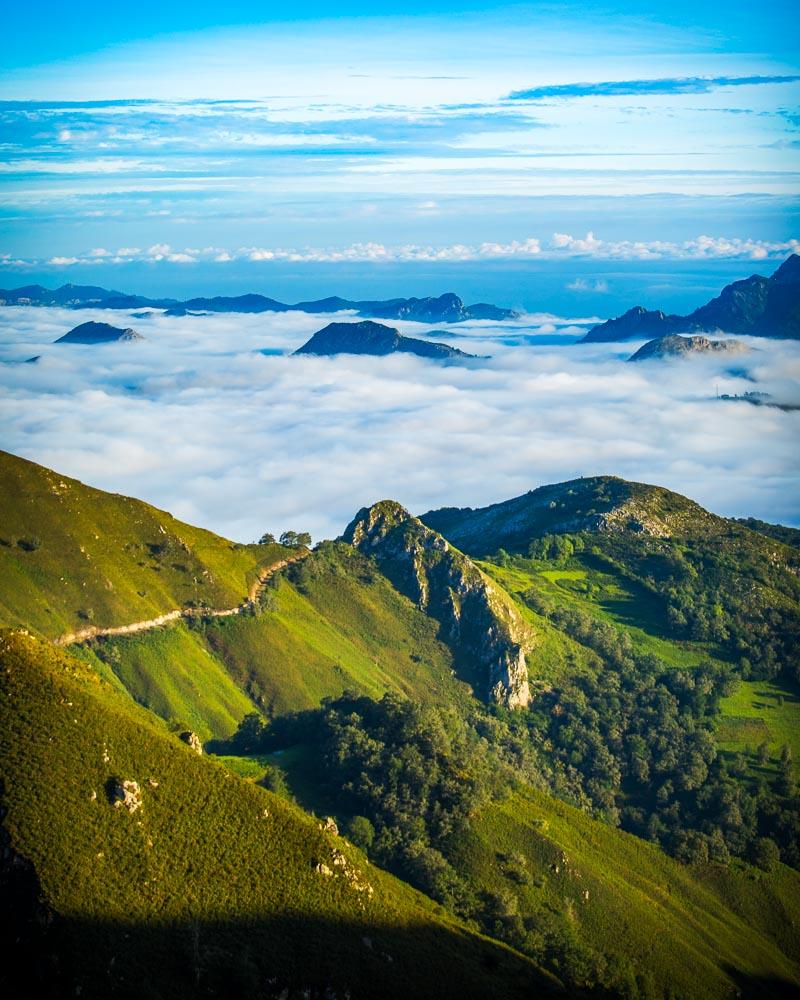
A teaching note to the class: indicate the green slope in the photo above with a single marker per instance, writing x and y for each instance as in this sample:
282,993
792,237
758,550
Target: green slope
602,906
172,672
335,623
606,596
630,910
211,887
72,556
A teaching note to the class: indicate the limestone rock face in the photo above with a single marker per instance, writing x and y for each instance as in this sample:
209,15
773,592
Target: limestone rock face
192,740
126,795
477,621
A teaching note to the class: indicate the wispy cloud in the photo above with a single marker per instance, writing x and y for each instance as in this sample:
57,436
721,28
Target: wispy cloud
559,246
641,88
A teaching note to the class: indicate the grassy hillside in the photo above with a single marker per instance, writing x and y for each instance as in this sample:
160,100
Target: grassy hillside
332,623
596,905
211,886
607,596
72,556
172,672
625,908
761,712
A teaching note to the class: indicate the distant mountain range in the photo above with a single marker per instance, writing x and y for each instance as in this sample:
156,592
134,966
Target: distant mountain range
447,308
756,306
375,339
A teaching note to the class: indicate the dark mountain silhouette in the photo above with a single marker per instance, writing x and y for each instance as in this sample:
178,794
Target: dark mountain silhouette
755,306
98,333
447,308
376,339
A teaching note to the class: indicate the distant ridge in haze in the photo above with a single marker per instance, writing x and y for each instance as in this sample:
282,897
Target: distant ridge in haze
447,308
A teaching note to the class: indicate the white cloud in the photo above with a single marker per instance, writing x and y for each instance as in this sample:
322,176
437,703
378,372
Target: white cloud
584,285
561,245
696,249
195,420
101,165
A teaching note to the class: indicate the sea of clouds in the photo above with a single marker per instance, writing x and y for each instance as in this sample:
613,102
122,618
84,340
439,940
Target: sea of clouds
211,418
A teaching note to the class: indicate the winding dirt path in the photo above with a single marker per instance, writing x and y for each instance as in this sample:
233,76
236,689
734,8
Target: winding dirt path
95,632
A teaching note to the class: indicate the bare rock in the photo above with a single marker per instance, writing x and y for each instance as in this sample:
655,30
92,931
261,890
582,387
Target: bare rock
192,740
126,794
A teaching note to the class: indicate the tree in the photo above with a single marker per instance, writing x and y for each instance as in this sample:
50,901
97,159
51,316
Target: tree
295,539
361,832
247,737
765,854
267,539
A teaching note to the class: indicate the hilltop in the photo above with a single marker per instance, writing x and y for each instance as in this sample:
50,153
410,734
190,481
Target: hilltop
683,347
98,333
756,306
375,339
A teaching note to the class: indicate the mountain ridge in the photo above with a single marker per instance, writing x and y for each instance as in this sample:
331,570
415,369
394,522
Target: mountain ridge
446,308
754,306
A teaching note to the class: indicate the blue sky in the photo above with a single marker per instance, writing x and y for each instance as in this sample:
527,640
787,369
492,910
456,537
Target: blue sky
202,145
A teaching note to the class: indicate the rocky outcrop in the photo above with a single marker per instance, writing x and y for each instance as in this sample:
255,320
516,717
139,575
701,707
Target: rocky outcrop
192,740
375,339
674,346
477,620
126,795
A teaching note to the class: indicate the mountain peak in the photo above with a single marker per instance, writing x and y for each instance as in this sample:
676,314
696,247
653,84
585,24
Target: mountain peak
372,524
98,333
789,271
368,337
477,620
754,306
675,346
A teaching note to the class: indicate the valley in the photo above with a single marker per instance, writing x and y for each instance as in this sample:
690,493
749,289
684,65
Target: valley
493,732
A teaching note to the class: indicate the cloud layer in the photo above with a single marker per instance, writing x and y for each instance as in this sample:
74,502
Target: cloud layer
638,88
197,420
559,246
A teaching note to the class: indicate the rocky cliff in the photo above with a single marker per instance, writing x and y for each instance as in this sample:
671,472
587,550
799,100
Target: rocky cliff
479,623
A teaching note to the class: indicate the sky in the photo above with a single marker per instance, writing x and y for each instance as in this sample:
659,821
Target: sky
255,147
568,159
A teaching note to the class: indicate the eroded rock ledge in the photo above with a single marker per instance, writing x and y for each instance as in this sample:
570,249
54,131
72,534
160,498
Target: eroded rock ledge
477,621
